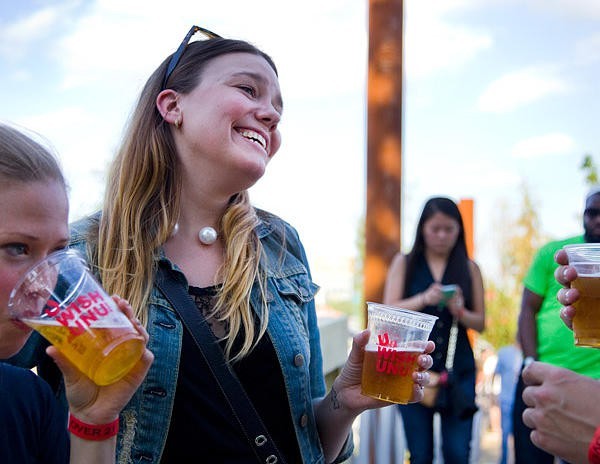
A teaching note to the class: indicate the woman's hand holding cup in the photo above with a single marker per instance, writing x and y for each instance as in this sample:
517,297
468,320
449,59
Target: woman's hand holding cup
96,404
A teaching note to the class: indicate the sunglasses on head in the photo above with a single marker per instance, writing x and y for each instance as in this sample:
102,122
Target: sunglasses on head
592,212
177,55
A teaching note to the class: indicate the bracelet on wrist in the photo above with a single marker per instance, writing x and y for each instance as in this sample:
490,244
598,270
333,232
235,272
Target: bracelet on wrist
594,448
94,432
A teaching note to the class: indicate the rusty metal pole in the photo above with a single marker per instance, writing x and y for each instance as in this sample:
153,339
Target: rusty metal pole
384,160
384,127
465,206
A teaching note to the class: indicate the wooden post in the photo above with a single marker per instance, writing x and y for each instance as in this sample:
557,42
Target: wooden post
465,206
384,127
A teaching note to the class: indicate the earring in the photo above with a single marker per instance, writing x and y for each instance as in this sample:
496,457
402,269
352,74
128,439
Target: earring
178,123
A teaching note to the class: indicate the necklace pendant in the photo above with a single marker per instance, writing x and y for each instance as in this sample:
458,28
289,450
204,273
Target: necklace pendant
207,235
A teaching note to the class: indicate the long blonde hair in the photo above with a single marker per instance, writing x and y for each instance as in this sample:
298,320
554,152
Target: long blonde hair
143,200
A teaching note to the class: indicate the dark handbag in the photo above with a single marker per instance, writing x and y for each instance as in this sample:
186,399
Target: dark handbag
451,398
242,408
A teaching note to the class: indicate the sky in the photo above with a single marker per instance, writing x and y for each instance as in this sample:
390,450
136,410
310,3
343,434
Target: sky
498,94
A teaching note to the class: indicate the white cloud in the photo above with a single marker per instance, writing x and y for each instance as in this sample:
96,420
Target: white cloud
458,175
20,76
320,47
131,46
30,28
543,145
18,37
588,50
80,140
64,121
576,9
432,43
516,89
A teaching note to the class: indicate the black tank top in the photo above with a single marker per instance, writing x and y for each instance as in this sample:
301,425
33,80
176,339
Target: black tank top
203,428
464,360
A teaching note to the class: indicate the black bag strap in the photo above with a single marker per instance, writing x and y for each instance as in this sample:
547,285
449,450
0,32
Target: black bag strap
243,410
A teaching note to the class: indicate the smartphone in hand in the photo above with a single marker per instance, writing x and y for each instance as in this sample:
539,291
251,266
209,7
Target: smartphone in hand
448,291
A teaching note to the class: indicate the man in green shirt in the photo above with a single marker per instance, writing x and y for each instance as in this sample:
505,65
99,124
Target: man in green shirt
543,335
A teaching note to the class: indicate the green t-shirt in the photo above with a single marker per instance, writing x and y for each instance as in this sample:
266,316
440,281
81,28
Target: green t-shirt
554,338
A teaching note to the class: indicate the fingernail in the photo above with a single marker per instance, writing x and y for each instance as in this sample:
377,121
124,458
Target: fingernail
569,294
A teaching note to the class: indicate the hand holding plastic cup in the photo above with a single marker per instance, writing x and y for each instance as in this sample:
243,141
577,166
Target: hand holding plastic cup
585,258
397,338
59,298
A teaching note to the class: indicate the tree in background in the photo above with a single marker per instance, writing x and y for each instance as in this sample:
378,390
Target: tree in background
354,307
359,267
519,239
589,168
522,241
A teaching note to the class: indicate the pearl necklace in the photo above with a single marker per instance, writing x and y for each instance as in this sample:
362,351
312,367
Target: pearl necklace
207,235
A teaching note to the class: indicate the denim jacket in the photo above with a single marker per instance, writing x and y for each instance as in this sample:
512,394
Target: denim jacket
292,328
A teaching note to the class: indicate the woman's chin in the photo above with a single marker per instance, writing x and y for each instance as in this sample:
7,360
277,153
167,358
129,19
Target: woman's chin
252,172
9,346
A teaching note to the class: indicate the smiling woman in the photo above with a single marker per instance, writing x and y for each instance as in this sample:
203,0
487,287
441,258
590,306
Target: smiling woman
231,117
238,310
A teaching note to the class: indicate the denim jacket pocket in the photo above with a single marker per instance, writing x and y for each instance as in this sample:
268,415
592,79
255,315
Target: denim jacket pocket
293,295
298,287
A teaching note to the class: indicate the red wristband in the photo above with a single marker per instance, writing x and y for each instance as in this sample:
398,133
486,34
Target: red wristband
594,449
94,432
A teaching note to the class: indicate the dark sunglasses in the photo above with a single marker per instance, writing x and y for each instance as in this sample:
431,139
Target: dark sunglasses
177,55
592,212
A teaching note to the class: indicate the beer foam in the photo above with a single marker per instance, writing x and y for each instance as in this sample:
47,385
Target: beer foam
54,323
417,347
582,273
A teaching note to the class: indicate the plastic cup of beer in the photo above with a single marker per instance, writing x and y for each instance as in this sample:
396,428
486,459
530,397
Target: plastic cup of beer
585,258
397,338
60,298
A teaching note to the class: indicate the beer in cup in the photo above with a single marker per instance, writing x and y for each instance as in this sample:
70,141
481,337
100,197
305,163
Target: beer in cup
585,258
59,298
397,338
